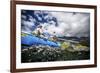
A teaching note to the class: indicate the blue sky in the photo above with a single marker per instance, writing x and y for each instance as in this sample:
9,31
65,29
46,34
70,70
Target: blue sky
63,23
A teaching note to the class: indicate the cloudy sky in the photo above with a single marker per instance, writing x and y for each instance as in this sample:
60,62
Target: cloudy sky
63,23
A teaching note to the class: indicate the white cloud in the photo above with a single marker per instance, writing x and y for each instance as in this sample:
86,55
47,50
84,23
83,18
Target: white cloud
27,25
71,24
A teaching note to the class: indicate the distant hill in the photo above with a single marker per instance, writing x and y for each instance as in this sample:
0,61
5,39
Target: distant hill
75,38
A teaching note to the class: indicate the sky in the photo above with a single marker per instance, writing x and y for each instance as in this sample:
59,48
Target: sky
62,23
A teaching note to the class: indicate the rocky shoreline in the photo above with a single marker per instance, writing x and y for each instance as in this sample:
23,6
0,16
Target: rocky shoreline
42,53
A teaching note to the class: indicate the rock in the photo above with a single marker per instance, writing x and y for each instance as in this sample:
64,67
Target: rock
42,53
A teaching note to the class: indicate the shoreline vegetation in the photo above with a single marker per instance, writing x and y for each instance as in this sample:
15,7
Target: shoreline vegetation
69,49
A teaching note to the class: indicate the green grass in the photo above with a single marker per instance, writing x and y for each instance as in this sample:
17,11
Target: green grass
23,34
